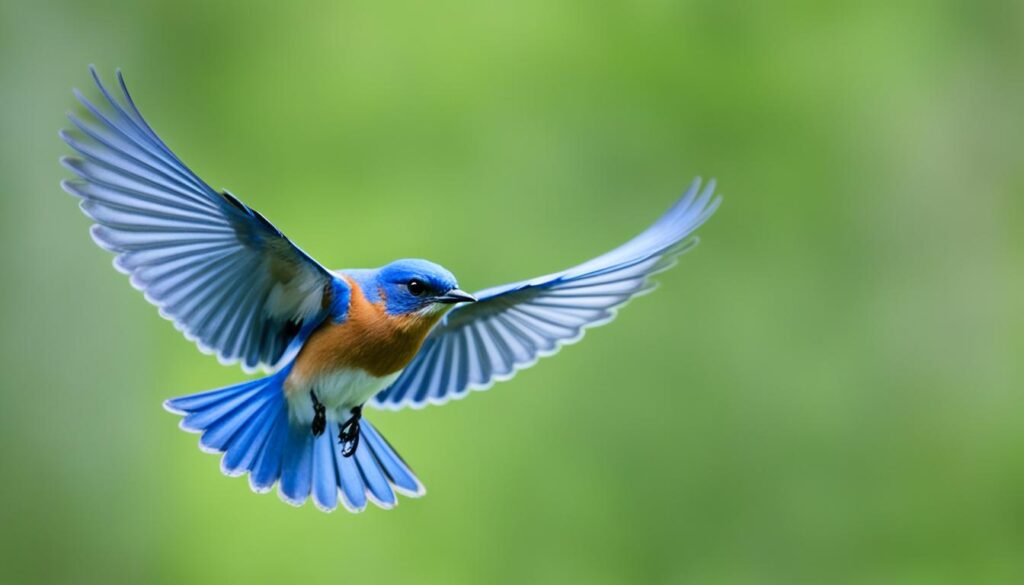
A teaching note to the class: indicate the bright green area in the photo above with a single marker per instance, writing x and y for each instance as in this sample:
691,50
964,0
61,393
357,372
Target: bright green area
827,390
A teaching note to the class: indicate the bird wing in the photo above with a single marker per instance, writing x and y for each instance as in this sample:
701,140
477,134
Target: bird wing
224,275
514,325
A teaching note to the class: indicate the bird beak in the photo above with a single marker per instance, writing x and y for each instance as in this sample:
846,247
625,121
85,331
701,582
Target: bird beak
455,296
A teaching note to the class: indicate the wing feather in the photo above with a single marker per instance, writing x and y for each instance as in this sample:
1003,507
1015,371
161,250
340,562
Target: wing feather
514,325
226,276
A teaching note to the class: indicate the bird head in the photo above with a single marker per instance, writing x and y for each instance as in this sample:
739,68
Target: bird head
419,287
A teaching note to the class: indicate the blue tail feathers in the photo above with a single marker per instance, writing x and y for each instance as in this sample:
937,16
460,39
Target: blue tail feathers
249,424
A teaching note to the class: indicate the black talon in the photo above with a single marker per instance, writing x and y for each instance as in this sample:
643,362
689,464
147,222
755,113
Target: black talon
348,433
319,416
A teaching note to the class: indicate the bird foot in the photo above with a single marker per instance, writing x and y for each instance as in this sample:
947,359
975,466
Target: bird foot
348,433
319,416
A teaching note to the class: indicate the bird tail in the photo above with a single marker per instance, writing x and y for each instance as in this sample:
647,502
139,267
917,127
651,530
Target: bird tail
249,424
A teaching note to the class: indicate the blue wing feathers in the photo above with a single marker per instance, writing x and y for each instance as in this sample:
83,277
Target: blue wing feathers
136,116
138,127
460,378
124,189
435,366
116,154
514,325
204,258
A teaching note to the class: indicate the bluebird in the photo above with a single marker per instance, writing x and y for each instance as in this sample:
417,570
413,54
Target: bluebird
330,341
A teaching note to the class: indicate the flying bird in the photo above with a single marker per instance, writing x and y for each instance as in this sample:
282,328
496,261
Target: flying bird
330,341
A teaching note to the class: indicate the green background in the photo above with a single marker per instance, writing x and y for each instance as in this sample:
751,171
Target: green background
827,390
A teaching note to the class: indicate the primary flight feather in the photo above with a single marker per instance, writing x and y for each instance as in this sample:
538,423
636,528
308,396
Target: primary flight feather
396,336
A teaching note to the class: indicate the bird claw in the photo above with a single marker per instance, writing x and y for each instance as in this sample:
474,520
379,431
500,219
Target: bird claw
348,433
319,424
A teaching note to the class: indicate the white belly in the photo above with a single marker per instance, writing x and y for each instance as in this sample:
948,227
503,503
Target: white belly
339,391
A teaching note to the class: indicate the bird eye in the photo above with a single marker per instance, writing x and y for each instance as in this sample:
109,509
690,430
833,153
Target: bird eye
416,288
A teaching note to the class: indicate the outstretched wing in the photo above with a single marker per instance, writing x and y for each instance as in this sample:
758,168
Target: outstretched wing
512,326
225,275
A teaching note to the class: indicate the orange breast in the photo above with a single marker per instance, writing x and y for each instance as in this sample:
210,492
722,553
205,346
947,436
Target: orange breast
368,339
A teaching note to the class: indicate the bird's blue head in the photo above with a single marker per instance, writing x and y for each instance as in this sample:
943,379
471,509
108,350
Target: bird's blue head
419,286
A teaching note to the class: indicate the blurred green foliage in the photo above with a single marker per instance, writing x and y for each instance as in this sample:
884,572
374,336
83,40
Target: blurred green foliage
827,390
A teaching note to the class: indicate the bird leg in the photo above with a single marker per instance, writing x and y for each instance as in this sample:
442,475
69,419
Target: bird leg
348,433
319,416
